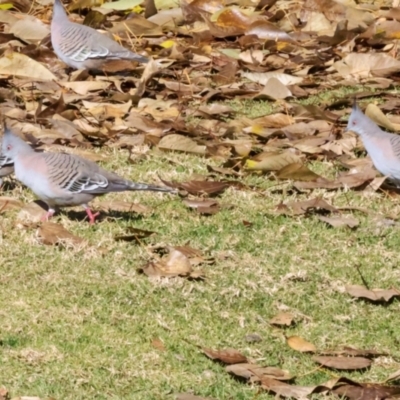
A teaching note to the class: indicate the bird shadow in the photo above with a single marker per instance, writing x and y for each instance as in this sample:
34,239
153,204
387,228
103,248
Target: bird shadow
81,216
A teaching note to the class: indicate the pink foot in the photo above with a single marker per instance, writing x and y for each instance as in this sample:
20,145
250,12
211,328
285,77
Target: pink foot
91,216
48,215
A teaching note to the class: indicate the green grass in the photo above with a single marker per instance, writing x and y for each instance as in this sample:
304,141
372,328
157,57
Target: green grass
79,323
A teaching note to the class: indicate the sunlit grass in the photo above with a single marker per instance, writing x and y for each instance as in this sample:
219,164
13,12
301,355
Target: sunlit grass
80,323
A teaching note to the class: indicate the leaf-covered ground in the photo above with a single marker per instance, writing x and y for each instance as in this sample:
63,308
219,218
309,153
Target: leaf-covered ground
282,232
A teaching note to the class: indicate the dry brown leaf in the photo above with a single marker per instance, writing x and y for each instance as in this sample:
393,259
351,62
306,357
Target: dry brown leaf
285,390
304,207
350,180
350,351
17,64
297,172
282,319
256,373
175,263
9,203
52,234
226,356
33,212
158,344
264,77
274,89
375,295
343,363
203,206
299,344
395,376
366,391
134,234
84,87
4,394
273,161
29,29
189,251
265,29
365,65
181,143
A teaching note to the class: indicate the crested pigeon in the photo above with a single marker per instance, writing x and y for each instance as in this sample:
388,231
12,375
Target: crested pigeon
6,167
82,47
383,147
63,180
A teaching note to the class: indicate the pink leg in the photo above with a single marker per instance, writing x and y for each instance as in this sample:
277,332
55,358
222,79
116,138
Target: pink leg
48,215
91,216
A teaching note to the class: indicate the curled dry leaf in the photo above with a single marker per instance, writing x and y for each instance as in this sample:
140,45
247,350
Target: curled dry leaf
343,363
203,206
226,356
282,319
299,344
51,233
375,295
173,264
256,373
195,256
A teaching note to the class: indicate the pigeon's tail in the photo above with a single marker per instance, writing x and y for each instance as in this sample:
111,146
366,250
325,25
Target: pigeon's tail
152,188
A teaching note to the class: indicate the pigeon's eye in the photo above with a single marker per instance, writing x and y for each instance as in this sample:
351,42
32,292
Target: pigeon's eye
9,147
354,123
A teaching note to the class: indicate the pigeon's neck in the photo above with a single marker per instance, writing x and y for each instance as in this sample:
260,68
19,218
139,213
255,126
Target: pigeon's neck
363,133
59,14
23,149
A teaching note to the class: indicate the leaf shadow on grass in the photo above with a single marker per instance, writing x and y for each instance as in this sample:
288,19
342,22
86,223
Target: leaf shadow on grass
381,303
9,185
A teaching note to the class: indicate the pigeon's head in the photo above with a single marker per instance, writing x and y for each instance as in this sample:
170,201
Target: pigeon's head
358,122
12,145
